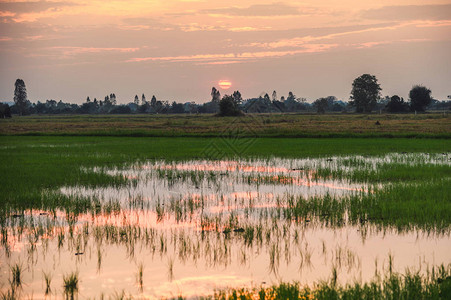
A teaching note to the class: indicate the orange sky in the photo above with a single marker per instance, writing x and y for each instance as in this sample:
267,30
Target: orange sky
178,50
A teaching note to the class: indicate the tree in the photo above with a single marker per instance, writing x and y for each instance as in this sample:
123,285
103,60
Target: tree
420,98
113,99
396,104
229,107
290,103
365,93
20,96
321,105
274,96
215,95
5,111
121,109
237,97
177,108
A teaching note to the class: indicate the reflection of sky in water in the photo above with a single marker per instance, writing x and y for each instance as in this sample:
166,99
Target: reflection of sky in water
196,257
227,179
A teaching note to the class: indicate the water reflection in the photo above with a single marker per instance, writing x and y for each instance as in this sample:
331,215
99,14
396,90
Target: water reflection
189,228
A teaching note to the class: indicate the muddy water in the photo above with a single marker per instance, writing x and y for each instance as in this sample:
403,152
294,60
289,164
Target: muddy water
197,226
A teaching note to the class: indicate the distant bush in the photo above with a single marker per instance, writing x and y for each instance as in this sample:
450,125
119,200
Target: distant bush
397,104
229,107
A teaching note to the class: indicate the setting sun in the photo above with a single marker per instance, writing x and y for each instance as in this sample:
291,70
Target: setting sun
225,84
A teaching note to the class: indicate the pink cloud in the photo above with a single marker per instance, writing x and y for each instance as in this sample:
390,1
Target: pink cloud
435,23
227,62
236,57
302,41
6,14
69,51
373,44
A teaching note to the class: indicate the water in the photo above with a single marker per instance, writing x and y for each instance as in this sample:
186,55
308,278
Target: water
197,226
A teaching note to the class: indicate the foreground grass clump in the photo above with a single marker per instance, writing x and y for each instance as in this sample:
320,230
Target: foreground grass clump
436,284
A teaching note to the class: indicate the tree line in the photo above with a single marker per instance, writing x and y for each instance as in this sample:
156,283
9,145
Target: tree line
365,98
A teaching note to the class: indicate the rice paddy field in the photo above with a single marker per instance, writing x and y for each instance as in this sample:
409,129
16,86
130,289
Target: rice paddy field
104,217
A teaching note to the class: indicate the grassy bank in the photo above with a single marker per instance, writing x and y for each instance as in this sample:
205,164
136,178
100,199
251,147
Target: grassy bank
432,125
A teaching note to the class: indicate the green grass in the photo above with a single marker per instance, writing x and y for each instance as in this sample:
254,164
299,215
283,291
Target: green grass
435,284
406,205
402,206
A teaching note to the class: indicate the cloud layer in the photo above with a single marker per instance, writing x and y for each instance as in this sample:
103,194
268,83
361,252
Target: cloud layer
257,10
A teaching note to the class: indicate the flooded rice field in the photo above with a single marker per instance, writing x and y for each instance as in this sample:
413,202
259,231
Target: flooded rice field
191,227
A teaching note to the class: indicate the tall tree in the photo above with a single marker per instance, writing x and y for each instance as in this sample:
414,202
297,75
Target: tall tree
113,99
215,95
420,98
20,96
237,97
274,96
365,93
291,96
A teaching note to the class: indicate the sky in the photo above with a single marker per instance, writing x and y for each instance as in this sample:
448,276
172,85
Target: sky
178,50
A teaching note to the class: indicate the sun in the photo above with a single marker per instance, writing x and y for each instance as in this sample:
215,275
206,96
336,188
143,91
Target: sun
225,84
